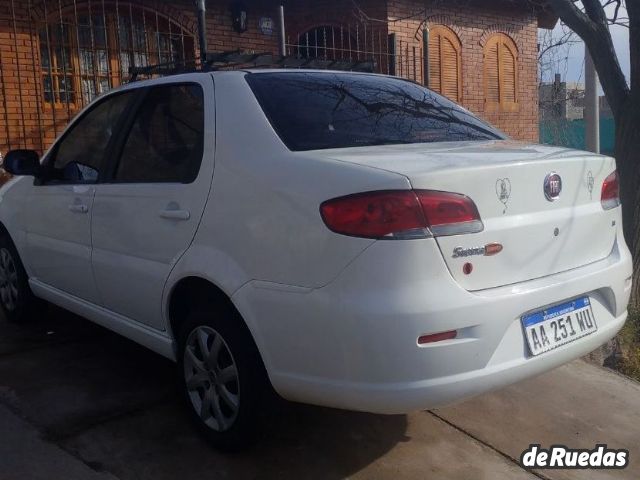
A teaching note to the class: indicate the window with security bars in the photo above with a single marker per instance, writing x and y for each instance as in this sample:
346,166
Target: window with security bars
56,63
445,63
85,53
500,74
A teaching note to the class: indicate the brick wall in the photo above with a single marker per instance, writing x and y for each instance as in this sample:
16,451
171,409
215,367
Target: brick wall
19,85
474,25
26,121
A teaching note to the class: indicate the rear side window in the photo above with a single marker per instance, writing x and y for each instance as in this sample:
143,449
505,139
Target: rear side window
166,141
312,110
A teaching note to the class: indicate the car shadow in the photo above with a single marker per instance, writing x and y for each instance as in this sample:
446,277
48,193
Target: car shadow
117,406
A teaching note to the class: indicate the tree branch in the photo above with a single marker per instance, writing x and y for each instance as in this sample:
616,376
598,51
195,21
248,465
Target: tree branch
593,28
575,19
568,37
595,11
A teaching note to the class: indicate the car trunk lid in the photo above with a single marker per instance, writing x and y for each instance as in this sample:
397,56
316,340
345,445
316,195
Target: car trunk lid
539,235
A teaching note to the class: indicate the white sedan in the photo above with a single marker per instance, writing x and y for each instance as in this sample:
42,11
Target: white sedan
351,240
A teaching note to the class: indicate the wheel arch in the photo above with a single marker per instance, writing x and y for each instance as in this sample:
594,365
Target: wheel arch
194,291
5,231
13,215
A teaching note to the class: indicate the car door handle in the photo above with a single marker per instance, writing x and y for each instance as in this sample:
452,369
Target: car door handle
175,214
78,208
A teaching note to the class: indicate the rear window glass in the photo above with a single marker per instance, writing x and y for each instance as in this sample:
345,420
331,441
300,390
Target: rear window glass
317,110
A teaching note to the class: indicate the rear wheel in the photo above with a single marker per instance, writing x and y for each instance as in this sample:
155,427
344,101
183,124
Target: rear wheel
223,378
16,299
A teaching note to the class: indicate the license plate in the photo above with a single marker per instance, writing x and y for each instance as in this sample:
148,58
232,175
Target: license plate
559,325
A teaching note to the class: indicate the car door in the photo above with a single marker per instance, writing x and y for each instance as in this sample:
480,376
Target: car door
59,204
146,215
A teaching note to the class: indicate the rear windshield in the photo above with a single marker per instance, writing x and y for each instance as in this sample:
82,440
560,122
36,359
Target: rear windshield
318,110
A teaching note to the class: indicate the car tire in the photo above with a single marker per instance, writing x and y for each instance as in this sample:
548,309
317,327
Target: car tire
17,301
223,379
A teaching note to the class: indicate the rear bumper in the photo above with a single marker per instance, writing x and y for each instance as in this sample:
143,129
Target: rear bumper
353,343
400,398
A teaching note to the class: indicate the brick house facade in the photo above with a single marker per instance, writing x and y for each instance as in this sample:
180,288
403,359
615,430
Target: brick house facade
56,55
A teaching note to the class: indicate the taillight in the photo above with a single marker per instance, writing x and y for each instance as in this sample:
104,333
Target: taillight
401,214
610,197
449,213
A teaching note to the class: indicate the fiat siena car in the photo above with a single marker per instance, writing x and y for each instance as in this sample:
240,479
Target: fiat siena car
350,240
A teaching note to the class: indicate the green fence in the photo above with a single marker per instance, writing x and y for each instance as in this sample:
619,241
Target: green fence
570,133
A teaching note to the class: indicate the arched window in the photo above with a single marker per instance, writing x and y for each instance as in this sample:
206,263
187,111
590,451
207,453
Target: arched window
328,43
500,74
445,62
85,52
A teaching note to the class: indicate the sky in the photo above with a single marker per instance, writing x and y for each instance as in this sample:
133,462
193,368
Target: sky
571,66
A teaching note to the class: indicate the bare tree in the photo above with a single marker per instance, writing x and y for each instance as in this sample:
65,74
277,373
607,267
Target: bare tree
590,20
553,50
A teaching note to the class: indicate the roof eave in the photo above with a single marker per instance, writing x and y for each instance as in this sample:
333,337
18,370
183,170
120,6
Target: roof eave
547,18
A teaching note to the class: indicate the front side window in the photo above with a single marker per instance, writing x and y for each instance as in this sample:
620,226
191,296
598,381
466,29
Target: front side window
312,111
166,141
78,156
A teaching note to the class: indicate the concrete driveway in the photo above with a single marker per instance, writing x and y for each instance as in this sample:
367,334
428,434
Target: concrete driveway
78,402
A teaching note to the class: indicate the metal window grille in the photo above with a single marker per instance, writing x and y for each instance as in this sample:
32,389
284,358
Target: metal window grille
360,42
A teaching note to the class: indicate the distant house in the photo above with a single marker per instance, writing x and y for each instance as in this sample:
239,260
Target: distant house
57,55
561,100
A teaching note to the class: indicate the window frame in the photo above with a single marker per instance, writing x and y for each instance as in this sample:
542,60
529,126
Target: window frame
502,40
50,158
120,140
51,45
446,33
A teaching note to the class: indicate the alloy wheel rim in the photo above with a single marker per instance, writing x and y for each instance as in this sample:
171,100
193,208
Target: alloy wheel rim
211,377
8,280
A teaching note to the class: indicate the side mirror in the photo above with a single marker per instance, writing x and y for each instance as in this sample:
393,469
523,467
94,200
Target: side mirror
22,162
